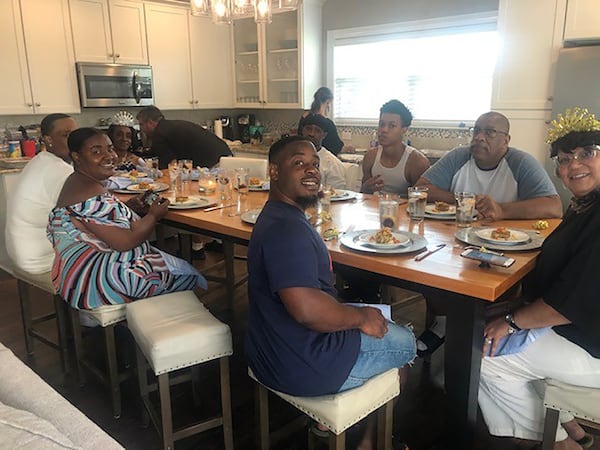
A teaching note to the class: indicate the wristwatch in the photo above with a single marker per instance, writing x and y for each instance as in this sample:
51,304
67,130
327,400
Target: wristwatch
512,326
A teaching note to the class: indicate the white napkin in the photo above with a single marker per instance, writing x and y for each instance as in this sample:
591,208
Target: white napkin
117,182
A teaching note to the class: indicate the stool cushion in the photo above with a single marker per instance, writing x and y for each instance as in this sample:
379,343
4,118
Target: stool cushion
174,331
104,315
39,280
582,402
338,412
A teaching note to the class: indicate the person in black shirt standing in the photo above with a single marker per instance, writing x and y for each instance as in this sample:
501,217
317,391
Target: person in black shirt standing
560,307
180,139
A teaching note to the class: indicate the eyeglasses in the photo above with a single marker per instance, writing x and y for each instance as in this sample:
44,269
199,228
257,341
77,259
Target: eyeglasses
489,132
584,156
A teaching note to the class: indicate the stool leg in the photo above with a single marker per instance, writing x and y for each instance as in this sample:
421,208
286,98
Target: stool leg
165,411
25,301
337,441
113,373
78,344
61,325
384,426
185,246
226,403
262,395
142,374
550,425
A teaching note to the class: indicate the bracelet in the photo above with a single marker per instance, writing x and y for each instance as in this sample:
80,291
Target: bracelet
510,320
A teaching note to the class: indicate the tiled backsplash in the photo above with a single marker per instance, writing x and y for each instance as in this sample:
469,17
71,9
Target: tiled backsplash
277,122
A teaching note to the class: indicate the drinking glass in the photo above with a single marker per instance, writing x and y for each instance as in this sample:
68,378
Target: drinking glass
325,198
207,182
388,212
152,164
225,184
465,208
242,179
417,200
186,166
174,176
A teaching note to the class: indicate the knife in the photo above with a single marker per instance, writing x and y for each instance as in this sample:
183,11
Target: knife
214,208
429,252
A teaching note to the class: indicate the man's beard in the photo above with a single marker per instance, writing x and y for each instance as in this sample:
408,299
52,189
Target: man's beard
307,201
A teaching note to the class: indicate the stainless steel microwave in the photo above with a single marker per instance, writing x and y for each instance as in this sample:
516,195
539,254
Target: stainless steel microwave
114,85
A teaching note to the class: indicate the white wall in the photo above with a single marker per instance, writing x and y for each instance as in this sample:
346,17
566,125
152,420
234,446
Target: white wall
340,14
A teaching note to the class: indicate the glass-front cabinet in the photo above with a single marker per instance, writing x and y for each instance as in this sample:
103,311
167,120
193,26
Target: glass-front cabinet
279,65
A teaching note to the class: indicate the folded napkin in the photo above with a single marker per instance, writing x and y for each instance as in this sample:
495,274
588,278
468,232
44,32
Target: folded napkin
118,182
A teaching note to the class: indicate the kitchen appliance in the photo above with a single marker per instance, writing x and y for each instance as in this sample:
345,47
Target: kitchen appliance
243,123
110,85
227,126
576,84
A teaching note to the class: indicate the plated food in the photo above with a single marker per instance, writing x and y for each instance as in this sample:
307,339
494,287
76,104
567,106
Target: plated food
359,240
144,186
502,235
384,238
440,209
190,202
341,194
258,184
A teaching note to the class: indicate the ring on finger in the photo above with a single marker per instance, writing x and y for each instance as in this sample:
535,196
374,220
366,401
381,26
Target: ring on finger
489,341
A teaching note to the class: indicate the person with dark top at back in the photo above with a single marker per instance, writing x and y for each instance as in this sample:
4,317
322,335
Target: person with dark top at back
300,339
180,139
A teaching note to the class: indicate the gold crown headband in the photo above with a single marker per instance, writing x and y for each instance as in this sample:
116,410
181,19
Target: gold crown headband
577,119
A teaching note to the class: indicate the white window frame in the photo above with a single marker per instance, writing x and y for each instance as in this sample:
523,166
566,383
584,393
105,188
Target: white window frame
367,34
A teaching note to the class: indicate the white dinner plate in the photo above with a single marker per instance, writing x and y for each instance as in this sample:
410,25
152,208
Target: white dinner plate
192,202
264,186
156,187
351,240
251,216
430,210
368,239
516,236
342,194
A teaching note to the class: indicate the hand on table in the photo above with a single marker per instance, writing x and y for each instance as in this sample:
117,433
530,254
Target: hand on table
488,208
373,184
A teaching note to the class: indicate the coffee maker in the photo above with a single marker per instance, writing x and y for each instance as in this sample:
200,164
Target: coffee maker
243,124
227,126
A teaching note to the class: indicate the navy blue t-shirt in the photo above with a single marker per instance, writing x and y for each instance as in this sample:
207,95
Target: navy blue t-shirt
285,251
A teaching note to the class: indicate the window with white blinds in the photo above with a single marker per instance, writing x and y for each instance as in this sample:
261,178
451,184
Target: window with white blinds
440,69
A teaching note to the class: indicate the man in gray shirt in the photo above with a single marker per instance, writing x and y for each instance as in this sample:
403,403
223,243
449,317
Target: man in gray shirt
508,183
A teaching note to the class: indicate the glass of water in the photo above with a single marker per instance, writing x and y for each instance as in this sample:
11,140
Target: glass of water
417,200
388,212
465,208
242,179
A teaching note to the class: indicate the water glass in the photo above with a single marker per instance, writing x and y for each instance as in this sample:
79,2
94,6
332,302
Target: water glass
174,176
465,208
152,164
242,179
388,212
207,182
225,184
325,198
417,200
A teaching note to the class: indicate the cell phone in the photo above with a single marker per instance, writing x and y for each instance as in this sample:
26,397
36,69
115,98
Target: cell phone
489,258
149,197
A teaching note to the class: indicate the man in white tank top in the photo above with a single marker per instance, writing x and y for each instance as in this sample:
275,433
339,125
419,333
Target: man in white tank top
392,166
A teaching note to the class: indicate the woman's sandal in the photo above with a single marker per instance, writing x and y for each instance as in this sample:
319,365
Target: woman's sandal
432,341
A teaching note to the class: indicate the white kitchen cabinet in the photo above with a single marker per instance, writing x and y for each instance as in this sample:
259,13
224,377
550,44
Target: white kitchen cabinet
530,35
190,58
111,31
583,20
278,65
39,75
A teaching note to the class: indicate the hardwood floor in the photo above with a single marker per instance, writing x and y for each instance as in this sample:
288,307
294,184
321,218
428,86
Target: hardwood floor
419,417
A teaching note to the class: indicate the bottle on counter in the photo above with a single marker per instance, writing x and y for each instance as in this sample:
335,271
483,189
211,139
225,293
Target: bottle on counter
374,142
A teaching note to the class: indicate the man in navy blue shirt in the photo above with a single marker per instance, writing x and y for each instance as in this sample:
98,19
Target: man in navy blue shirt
301,340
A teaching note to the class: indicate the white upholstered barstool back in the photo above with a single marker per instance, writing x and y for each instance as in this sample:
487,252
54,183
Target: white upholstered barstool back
257,167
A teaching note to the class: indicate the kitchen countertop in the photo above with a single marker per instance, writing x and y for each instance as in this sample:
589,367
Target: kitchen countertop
249,148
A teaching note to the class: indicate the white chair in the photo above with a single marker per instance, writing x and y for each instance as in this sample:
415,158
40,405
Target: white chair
107,317
173,332
581,402
353,174
338,412
257,167
25,281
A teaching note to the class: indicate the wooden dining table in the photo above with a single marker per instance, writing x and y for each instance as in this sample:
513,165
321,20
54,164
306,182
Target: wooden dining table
465,287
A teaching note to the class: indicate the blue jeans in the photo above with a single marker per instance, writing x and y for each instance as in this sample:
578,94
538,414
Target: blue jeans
396,349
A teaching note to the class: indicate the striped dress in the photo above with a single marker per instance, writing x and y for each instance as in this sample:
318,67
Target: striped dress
87,273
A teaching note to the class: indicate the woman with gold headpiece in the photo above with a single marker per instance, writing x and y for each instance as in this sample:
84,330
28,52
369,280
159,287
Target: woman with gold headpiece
124,138
561,308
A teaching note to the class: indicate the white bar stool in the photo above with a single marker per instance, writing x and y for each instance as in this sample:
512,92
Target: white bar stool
172,332
581,402
338,412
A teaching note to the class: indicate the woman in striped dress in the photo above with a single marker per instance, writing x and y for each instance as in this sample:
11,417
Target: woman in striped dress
102,255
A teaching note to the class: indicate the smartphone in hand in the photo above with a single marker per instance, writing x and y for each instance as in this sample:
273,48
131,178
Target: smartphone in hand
490,258
149,197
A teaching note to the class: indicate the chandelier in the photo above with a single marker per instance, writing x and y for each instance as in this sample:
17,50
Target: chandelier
224,11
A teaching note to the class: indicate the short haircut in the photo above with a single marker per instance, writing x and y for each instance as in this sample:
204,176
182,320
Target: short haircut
150,113
397,107
573,140
48,122
501,118
78,137
278,147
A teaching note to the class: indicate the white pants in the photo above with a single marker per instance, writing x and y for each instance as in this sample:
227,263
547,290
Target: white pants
508,398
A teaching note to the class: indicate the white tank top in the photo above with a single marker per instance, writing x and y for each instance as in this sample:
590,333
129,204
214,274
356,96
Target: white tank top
393,177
